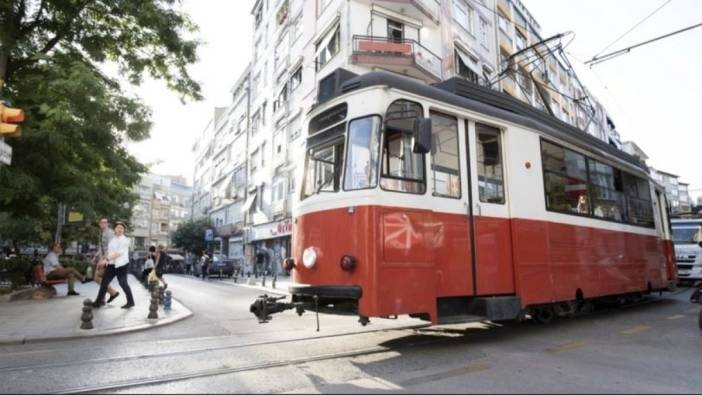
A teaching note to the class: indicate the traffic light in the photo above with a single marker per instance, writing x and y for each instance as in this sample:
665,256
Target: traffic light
9,120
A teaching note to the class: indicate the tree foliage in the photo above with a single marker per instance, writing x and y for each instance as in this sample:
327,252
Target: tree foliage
190,235
78,120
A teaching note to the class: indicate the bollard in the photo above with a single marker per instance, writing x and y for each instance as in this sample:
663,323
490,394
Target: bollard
275,278
263,280
160,295
87,317
153,307
167,300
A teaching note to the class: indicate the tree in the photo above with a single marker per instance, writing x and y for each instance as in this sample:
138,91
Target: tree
77,118
190,235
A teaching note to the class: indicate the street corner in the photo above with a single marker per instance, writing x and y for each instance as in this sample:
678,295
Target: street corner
68,317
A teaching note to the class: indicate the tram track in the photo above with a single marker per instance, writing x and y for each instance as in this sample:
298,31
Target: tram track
170,378
146,356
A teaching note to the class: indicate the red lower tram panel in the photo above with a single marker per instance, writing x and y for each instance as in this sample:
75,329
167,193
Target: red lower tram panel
380,262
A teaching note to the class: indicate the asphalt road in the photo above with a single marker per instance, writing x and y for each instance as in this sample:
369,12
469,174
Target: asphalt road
652,347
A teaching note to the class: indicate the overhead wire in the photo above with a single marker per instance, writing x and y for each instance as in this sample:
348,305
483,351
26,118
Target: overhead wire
633,28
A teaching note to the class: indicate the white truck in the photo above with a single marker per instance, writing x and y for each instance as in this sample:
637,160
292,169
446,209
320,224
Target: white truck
687,236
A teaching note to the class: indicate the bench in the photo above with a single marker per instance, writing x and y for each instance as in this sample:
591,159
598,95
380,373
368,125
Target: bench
40,278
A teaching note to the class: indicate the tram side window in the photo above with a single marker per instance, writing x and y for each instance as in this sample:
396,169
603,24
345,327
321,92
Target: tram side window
402,169
607,191
638,199
565,180
444,156
323,169
362,154
490,173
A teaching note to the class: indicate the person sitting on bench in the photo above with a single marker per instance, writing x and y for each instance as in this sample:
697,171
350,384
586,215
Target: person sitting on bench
55,271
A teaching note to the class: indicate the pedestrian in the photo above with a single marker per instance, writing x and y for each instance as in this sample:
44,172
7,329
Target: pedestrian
106,235
160,264
148,265
205,264
116,265
55,271
188,263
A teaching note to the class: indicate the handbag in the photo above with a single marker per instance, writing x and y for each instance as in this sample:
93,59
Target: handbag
152,276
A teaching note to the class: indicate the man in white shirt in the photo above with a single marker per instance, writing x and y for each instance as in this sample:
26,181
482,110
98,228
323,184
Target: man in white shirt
53,270
116,262
106,234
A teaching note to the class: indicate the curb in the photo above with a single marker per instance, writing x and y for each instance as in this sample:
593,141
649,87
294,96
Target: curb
87,334
259,287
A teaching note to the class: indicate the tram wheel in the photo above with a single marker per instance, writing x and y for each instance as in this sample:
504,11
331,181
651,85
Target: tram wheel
544,315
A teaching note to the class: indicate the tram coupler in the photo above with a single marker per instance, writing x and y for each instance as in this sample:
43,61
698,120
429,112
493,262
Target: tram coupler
266,305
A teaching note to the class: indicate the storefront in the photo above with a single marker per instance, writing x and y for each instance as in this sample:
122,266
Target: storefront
269,244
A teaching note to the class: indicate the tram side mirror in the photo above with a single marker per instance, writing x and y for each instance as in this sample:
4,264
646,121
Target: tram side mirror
422,136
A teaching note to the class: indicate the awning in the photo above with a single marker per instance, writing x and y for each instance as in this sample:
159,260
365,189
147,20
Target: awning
466,57
249,202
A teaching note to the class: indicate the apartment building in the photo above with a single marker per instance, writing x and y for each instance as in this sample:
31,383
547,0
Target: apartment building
299,42
164,203
676,192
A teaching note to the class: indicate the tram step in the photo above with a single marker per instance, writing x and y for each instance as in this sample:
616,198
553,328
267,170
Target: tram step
460,319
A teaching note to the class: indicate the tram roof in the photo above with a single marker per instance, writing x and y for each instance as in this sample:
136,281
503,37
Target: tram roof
465,94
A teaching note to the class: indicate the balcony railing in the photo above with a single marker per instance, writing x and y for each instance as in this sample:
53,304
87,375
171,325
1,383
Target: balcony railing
393,54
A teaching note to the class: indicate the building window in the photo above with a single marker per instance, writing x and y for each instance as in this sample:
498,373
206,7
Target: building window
255,120
328,48
463,15
483,33
521,41
263,154
254,160
463,70
281,100
503,22
296,79
296,29
395,31
445,164
258,14
491,185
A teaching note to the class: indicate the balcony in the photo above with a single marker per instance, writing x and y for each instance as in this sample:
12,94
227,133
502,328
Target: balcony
418,9
401,56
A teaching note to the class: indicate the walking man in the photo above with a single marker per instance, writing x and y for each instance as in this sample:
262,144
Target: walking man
106,234
116,263
55,271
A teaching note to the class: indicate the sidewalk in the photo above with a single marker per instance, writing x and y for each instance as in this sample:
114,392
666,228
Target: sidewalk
281,284
59,318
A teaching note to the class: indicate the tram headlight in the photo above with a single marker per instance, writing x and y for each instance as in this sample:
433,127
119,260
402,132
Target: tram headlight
348,263
309,257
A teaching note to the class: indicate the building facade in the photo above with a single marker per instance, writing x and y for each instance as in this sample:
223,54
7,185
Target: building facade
676,192
248,158
164,203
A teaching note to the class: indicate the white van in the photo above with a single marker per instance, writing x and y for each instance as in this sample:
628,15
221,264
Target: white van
687,236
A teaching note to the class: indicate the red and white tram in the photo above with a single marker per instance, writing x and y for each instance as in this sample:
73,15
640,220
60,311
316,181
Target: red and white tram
453,201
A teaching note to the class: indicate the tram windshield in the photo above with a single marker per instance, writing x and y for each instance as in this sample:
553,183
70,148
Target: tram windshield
399,169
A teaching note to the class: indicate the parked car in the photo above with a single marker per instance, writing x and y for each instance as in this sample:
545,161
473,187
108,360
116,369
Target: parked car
221,266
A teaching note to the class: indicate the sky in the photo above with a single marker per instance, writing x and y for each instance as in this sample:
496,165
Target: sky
652,93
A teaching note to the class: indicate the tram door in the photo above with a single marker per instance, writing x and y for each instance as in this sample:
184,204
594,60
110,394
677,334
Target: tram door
493,271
